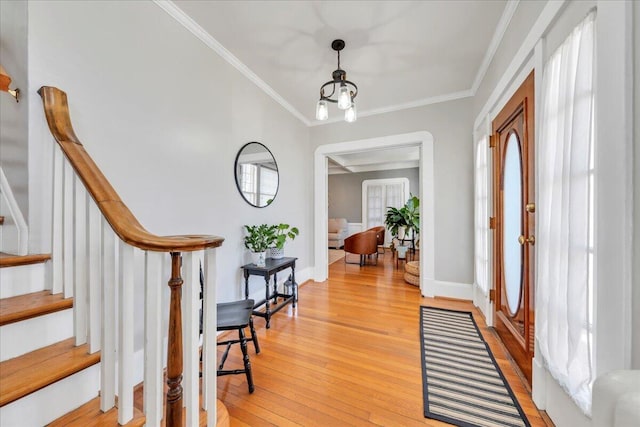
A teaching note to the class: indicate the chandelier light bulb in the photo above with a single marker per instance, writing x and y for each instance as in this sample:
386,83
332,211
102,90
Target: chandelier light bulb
322,110
350,114
344,97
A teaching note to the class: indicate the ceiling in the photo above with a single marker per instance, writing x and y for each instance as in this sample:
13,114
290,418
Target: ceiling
401,54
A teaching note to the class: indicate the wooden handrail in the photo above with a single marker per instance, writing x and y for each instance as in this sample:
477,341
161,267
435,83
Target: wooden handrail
123,222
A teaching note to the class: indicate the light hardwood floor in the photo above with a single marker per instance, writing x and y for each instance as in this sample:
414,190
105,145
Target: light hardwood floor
348,355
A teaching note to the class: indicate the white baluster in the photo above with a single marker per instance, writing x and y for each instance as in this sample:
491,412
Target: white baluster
67,231
80,281
108,353
125,333
153,368
190,334
94,241
210,332
57,222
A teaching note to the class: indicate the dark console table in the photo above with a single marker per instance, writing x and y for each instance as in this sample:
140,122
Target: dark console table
271,303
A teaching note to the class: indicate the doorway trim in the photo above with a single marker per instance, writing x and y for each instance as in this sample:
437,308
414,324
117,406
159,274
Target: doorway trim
423,140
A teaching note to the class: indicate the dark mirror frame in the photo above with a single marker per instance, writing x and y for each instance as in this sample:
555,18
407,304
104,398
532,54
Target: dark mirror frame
235,172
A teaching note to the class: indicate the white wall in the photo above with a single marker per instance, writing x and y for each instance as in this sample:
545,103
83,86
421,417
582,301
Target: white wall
163,116
450,125
13,115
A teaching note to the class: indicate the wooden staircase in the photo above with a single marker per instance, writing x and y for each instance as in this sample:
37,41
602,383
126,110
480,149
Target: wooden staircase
59,359
27,374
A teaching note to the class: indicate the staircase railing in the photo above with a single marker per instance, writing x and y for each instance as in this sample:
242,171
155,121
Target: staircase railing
100,274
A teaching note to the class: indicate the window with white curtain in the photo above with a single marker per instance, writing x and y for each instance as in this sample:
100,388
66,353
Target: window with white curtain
377,195
482,215
565,217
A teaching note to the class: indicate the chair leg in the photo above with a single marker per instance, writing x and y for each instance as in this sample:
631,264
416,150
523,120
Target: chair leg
254,337
245,357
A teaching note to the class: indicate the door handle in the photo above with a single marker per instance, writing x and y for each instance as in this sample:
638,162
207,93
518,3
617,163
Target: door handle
530,240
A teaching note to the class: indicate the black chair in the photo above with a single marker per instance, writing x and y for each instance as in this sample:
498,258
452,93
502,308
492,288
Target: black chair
230,316
237,315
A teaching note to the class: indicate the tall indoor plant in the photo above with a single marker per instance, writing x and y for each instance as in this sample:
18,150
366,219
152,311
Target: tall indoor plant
402,221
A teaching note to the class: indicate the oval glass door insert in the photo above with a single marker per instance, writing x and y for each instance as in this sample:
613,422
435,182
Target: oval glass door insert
512,220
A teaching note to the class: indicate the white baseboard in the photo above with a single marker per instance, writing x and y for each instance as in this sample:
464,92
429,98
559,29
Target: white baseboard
559,406
440,288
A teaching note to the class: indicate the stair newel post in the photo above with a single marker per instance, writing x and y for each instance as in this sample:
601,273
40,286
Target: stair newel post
174,350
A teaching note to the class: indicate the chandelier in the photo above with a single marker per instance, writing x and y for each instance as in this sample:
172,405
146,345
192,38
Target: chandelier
343,96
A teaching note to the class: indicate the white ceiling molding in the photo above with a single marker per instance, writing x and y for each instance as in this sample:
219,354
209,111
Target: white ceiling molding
419,103
176,13
501,28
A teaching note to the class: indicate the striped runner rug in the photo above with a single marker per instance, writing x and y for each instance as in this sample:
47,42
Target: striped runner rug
461,381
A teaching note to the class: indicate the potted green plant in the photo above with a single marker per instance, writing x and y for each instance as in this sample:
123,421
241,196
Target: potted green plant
282,232
401,221
257,240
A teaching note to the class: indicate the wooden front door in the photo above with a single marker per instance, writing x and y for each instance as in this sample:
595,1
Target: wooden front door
513,184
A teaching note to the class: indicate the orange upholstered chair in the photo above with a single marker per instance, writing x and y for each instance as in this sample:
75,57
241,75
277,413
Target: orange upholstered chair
363,243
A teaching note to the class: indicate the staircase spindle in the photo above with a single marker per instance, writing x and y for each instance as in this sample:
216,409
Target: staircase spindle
209,337
57,222
109,316
94,242
190,334
125,334
153,385
67,229
174,350
80,249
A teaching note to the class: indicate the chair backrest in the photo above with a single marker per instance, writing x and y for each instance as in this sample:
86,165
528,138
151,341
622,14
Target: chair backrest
380,230
364,243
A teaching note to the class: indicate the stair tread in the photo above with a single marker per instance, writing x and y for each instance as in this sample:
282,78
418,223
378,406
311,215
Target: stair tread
30,372
90,414
21,307
9,260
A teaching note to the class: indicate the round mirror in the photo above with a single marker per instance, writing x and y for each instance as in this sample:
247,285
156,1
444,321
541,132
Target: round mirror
256,174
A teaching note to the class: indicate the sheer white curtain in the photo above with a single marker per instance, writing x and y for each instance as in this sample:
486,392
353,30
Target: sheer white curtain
482,216
565,215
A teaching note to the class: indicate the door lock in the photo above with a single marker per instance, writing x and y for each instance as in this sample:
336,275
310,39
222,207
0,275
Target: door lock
530,240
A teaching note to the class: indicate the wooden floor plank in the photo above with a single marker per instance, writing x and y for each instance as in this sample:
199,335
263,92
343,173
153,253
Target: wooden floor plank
349,354
31,372
31,305
90,414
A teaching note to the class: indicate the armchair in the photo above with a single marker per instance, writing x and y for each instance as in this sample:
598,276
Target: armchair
363,243
337,228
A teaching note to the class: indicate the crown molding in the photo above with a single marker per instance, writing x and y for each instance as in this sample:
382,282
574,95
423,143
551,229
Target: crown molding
398,107
186,21
498,34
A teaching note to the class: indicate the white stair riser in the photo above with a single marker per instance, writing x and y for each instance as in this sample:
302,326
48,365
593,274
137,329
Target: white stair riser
23,279
19,338
52,402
